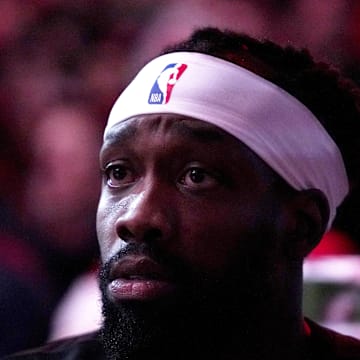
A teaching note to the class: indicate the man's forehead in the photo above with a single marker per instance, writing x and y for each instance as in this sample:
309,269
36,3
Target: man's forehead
184,126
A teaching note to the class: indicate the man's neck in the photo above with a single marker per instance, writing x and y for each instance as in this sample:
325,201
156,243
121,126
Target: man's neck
276,339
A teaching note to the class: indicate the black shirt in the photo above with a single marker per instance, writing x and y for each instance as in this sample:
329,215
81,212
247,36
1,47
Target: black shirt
323,343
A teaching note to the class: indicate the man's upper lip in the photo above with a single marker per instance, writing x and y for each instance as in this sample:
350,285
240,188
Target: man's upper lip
138,267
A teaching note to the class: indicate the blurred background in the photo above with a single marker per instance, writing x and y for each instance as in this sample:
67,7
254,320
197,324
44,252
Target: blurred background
62,64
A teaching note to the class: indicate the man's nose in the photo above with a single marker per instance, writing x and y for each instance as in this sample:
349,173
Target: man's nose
146,217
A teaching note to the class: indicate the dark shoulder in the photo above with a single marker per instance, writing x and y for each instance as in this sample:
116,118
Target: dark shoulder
87,346
329,344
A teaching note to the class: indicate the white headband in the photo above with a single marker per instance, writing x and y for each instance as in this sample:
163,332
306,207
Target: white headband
271,122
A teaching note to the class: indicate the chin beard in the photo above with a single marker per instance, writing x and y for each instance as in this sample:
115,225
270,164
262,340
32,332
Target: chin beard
197,322
172,328
139,331
158,329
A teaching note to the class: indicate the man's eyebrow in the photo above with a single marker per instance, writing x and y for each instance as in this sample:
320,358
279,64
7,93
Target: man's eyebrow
119,133
199,131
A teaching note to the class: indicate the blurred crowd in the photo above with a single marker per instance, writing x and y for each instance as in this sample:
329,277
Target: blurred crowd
62,64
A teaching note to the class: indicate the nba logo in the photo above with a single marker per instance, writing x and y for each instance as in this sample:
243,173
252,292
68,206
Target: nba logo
161,91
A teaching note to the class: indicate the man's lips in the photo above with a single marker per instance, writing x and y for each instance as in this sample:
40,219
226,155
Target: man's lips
137,277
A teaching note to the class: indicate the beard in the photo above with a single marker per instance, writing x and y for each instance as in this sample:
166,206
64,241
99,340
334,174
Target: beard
207,315
142,331
177,326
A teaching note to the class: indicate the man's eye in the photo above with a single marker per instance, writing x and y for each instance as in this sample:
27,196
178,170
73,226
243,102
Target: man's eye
198,178
118,175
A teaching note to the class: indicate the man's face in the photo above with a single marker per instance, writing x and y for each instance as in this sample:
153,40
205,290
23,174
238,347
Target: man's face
188,224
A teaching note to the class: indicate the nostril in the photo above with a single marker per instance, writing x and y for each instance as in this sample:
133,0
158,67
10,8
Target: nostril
147,235
125,234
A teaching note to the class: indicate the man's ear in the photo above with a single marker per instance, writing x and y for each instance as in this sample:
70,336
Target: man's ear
310,211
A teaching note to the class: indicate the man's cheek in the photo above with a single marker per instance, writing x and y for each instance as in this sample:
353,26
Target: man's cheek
108,242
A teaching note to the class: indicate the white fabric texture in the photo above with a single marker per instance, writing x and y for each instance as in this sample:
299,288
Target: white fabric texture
271,122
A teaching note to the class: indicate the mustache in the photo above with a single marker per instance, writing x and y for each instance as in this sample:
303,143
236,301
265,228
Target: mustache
176,268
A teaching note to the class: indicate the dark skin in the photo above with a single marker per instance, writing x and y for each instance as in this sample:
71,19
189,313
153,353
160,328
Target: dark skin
236,231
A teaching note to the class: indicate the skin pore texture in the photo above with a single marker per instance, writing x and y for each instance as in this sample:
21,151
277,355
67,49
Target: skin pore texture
196,232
